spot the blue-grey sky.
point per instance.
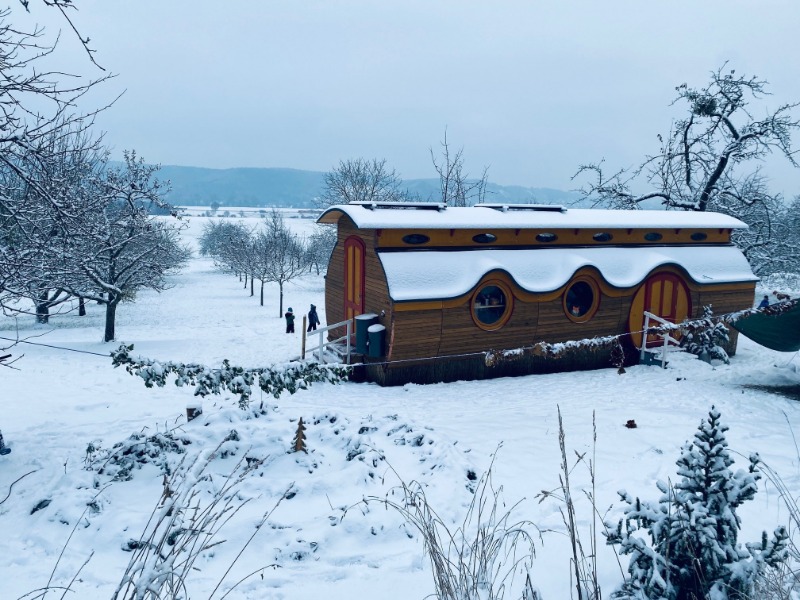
(529, 88)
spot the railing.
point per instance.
(643, 354)
(320, 348)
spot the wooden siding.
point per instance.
(476, 367)
(727, 301)
(452, 331)
(415, 334)
(376, 289)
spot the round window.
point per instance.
(484, 238)
(653, 236)
(699, 236)
(546, 237)
(491, 305)
(416, 238)
(581, 300)
(602, 237)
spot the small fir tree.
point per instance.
(694, 551)
(705, 338)
(299, 443)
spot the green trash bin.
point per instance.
(362, 335)
(377, 341)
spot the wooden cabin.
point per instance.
(450, 283)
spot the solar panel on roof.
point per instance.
(535, 207)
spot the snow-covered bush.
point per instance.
(705, 336)
(276, 379)
(693, 550)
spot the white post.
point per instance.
(320, 347)
(644, 335)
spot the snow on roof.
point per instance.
(493, 217)
(434, 275)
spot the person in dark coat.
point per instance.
(289, 320)
(764, 302)
(313, 319)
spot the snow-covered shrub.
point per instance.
(693, 549)
(120, 461)
(705, 337)
(276, 379)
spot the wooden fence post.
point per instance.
(303, 331)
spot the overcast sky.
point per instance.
(530, 89)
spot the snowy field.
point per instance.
(66, 497)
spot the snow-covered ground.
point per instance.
(62, 412)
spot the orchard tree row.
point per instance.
(267, 253)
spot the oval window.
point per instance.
(491, 305)
(653, 236)
(581, 300)
(416, 238)
(484, 238)
(546, 237)
(699, 236)
(602, 237)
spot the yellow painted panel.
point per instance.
(667, 309)
(443, 238)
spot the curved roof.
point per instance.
(437, 216)
(438, 275)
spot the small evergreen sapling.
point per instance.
(705, 337)
(299, 442)
(693, 529)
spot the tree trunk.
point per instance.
(81, 307)
(252, 293)
(111, 314)
(245, 280)
(262, 292)
(280, 311)
(42, 312)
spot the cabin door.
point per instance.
(663, 294)
(353, 277)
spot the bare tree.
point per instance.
(40, 216)
(283, 254)
(320, 246)
(360, 180)
(64, 6)
(457, 189)
(124, 248)
(709, 161)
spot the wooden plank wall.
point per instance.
(726, 301)
(376, 290)
(531, 322)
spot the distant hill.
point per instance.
(196, 186)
